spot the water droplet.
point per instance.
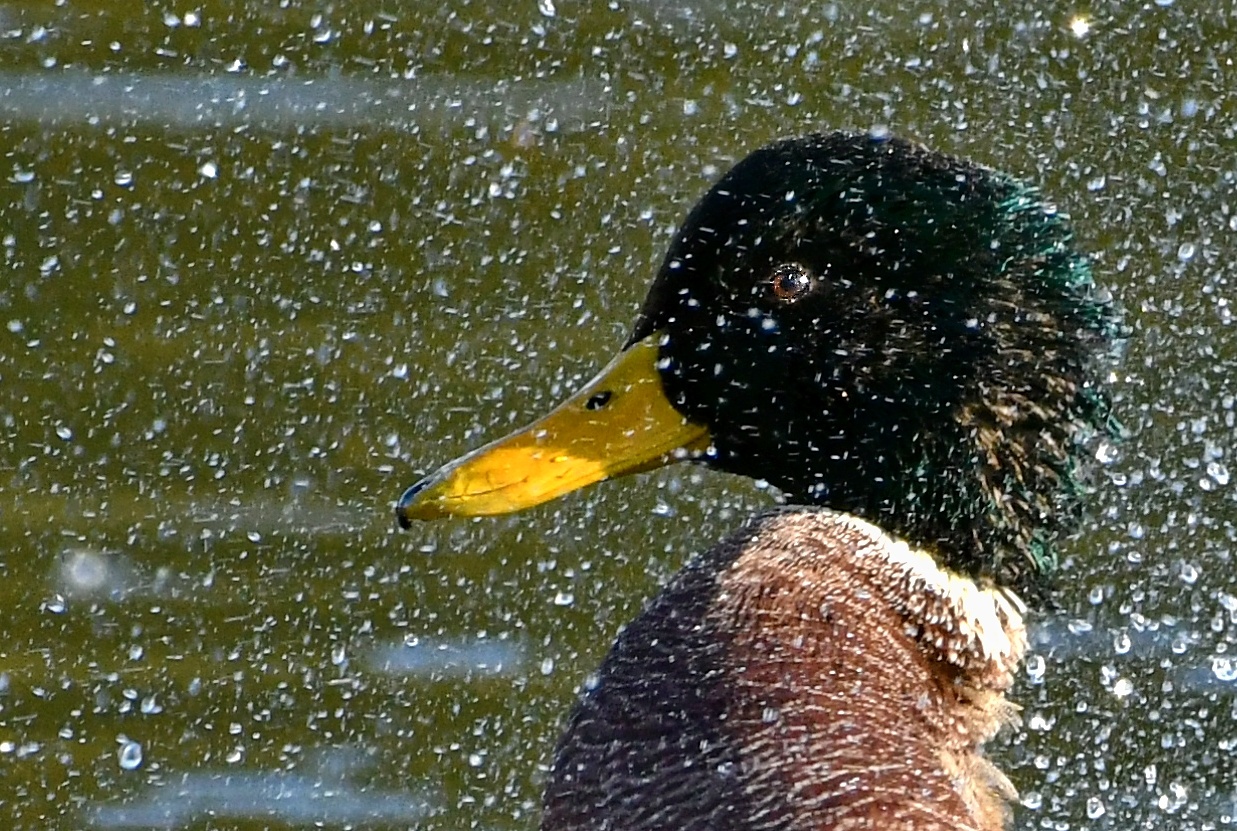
(1037, 667)
(1185, 251)
(1039, 723)
(1095, 808)
(546, 7)
(1121, 643)
(1080, 26)
(1189, 574)
(1218, 472)
(1107, 453)
(1078, 627)
(130, 754)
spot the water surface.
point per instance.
(266, 265)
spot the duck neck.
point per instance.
(868, 625)
(809, 672)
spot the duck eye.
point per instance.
(790, 281)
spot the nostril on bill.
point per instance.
(598, 400)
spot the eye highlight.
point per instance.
(790, 281)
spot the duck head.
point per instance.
(865, 324)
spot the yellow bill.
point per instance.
(619, 423)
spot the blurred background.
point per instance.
(266, 264)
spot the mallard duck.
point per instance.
(907, 345)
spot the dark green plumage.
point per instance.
(937, 376)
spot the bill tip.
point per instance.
(403, 507)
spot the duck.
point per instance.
(911, 348)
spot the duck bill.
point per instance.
(621, 422)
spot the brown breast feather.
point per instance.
(808, 673)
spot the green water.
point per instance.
(265, 265)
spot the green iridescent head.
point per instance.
(894, 333)
(865, 324)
